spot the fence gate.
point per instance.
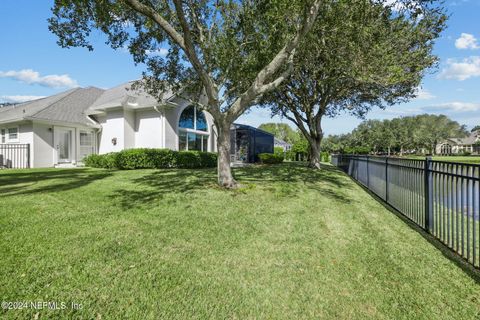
(441, 197)
(14, 156)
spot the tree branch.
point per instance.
(152, 14)
(210, 87)
(258, 86)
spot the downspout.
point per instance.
(99, 130)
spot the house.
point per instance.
(278, 143)
(48, 131)
(470, 144)
(61, 130)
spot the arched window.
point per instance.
(192, 130)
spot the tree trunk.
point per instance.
(315, 153)
(225, 177)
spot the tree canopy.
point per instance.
(412, 134)
(222, 55)
(476, 128)
(281, 131)
(360, 54)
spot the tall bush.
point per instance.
(144, 158)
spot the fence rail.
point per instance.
(441, 197)
(14, 156)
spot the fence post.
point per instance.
(368, 175)
(28, 156)
(386, 179)
(428, 195)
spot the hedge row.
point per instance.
(152, 159)
(270, 158)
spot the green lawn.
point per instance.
(163, 244)
(464, 159)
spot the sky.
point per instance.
(32, 65)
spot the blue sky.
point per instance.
(33, 65)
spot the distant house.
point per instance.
(459, 145)
(61, 130)
(282, 144)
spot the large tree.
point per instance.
(229, 52)
(281, 131)
(361, 54)
(432, 129)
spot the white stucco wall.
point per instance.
(145, 128)
(43, 146)
(129, 125)
(148, 129)
(171, 137)
(113, 126)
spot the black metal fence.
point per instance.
(441, 197)
(14, 156)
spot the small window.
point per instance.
(87, 145)
(13, 134)
(3, 136)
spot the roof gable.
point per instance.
(68, 106)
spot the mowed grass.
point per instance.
(169, 244)
(463, 159)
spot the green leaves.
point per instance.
(412, 133)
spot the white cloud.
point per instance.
(423, 94)
(466, 41)
(33, 77)
(454, 107)
(18, 99)
(461, 70)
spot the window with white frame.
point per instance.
(13, 134)
(3, 136)
(192, 130)
(87, 145)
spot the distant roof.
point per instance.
(471, 139)
(124, 95)
(68, 106)
(280, 142)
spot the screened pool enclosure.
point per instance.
(247, 142)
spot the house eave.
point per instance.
(12, 120)
(63, 123)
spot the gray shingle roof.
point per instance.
(471, 139)
(280, 142)
(124, 95)
(68, 106)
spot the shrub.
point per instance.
(107, 161)
(93, 161)
(270, 158)
(466, 153)
(188, 159)
(144, 158)
(134, 159)
(208, 159)
(278, 150)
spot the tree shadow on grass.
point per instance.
(469, 269)
(158, 184)
(33, 182)
(292, 172)
(282, 180)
